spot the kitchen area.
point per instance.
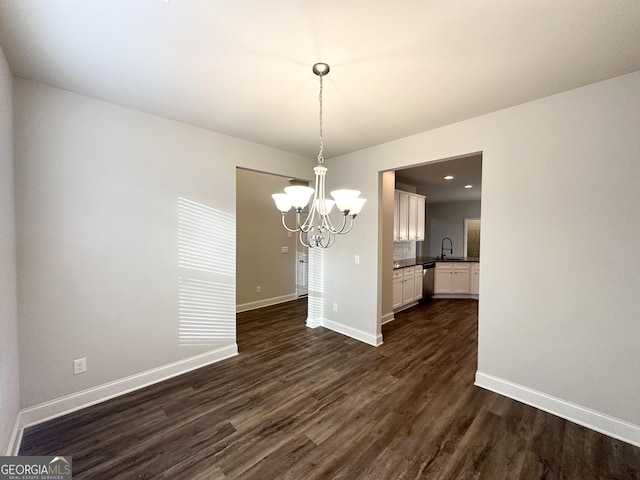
(436, 232)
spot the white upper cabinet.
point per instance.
(413, 217)
(420, 217)
(409, 217)
(401, 220)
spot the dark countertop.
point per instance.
(410, 262)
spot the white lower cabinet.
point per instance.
(454, 278)
(407, 286)
(443, 277)
(461, 281)
(475, 279)
(397, 289)
(417, 285)
(450, 278)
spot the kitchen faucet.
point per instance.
(450, 249)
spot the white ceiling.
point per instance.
(243, 68)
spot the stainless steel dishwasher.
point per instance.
(428, 271)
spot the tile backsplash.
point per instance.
(402, 250)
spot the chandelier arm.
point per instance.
(302, 241)
(344, 223)
(326, 220)
(302, 226)
(328, 224)
(314, 241)
(334, 230)
(321, 205)
(284, 224)
(308, 223)
(331, 239)
(342, 231)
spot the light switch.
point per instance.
(285, 249)
(357, 259)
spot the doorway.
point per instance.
(269, 269)
(452, 189)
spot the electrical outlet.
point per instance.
(285, 250)
(79, 366)
(335, 307)
(258, 290)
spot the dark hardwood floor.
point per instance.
(312, 404)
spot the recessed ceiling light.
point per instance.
(468, 186)
(449, 177)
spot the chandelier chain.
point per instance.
(320, 157)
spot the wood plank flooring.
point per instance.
(312, 404)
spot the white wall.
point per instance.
(560, 229)
(9, 379)
(447, 220)
(97, 189)
(354, 287)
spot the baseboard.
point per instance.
(387, 318)
(406, 306)
(454, 296)
(16, 438)
(375, 340)
(611, 426)
(314, 322)
(77, 401)
(267, 302)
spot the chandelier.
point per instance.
(317, 230)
